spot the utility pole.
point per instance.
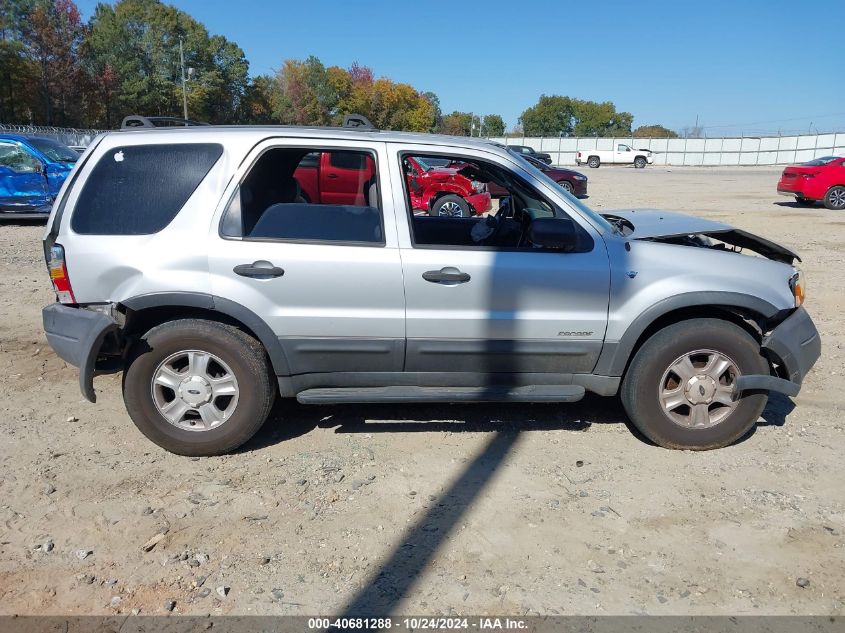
(184, 88)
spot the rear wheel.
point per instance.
(679, 389)
(640, 162)
(451, 206)
(804, 202)
(835, 198)
(593, 161)
(198, 387)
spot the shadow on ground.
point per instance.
(289, 419)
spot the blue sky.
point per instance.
(742, 66)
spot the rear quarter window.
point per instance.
(138, 190)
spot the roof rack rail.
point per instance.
(358, 121)
(135, 121)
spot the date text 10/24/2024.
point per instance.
(416, 624)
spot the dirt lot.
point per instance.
(430, 509)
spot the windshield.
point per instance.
(54, 150)
(824, 160)
(583, 208)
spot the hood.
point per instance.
(655, 224)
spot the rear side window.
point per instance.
(138, 190)
(300, 195)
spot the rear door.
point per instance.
(327, 277)
(23, 185)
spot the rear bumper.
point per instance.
(480, 202)
(76, 336)
(795, 344)
(785, 191)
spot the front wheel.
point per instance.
(640, 162)
(566, 185)
(450, 206)
(679, 389)
(198, 387)
(834, 199)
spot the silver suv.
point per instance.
(221, 267)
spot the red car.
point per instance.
(443, 191)
(574, 182)
(822, 179)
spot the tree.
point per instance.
(557, 115)
(492, 125)
(17, 72)
(52, 35)
(654, 131)
(138, 41)
(457, 124)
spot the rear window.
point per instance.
(138, 190)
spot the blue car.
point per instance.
(32, 170)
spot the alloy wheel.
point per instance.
(194, 390)
(697, 390)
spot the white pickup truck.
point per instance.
(621, 154)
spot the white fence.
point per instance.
(748, 150)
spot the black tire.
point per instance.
(834, 199)
(245, 357)
(594, 162)
(457, 204)
(641, 384)
(804, 202)
(566, 185)
(640, 162)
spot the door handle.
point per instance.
(446, 276)
(331, 175)
(260, 269)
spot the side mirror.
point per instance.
(557, 233)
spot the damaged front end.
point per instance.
(676, 228)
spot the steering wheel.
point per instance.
(500, 223)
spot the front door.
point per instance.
(326, 278)
(22, 182)
(499, 305)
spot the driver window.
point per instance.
(465, 202)
(623, 148)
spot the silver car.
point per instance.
(222, 267)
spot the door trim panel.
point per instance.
(501, 355)
(307, 355)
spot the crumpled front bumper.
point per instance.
(76, 336)
(795, 345)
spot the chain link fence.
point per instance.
(698, 152)
(66, 135)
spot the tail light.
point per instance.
(59, 276)
(811, 174)
(579, 154)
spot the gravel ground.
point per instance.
(430, 509)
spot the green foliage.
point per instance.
(492, 125)
(564, 116)
(456, 124)
(654, 131)
(138, 41)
